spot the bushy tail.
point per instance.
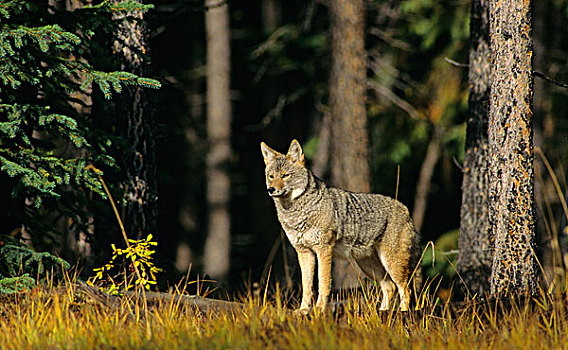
(415, 263)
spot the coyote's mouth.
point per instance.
(275, 194)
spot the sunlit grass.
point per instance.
(57, 318)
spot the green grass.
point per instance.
(60, 318)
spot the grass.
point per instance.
(60, 318)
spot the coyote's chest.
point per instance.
(307, 227)
(307, 238)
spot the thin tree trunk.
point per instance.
(216, 259)
(140, 213)
(424, 181)
(476, 240)
(350, 163)
(271, 15)
(320, 163)
(511, 187)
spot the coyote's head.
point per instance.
(286, 175)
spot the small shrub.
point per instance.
(137, 268)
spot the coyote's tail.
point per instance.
(416, 266)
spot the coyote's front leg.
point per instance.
(324, 254)
(307, 261)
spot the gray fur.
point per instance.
(374, 231)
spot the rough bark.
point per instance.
(476, 241)
(218, 244)
(133, 105)
(349, 155)
(511, 186)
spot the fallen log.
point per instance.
(336, 309)
(84, 291)
(196, 302)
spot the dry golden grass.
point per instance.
(60, 318)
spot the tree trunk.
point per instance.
(511, 185)
(425, 179)
(140, 213)
(476, 240)
(350, 164)
(320, 162)
(271, 15)
(217, 246)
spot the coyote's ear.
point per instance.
(268, 153)
(295, 152)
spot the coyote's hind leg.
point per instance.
(397, 266)
(373, 268)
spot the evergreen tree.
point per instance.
(47, 57)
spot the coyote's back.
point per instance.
(374, 231)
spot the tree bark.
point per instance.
(140, 213)
(218, 244)
(476, 240)
(349, 162)
(511, 186)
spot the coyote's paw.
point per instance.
(321, 306)
(303, 311)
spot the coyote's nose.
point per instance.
(271, 190)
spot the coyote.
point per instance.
(374, 231)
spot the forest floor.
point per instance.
(68, 317)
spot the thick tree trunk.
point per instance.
(139, 166)
(218, 244)
(349, 155)
(511, 186)
(350, 163)
(476, 241)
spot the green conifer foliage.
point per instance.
(38, 71)
(20, 265)
(48, 57)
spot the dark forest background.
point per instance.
(279, 90)
(416, 102)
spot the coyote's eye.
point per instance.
(285, 176)
(270, 176)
